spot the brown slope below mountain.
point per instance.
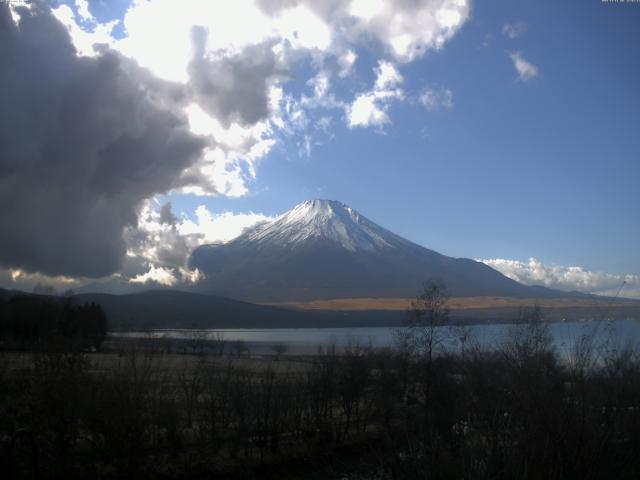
(458, 303)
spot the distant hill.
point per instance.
(157, 309)
(177, 309)
(323, 249)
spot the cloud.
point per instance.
(83, 9)
(305, 121)
(387, 76)
(93, 126)
(366, 111)
(435, 99)
(234, 89)
(370, 108)
(232, 56)
(155, 240)
(17, 279)
(159, 275)
(346, 61)
(220, 227)
(166, 215)
(88, 40)
(526, 70)
(321, 84)
(513, 30)
(165, 46)
(84, 141)
(227, 166)
(534, 272)
(158, 248)
(409, 28)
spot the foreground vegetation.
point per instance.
(416, 411)
(516, 412)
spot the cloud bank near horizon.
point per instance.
(535, 272)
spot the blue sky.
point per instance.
(503, 131)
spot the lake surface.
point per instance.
(564, 335)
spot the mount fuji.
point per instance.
(324, 249)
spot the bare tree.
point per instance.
(197, 341)
(427, 313)
(218, 343)
(279, 349)
(530, 338)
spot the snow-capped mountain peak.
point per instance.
(326, 220)
(323, 249)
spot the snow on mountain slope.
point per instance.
(326, 220)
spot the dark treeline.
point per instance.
(33, 321)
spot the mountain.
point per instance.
(324, 249)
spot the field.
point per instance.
(484, 309)
(457, 303)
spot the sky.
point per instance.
(135, 131)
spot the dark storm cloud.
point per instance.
(233, 88)
(82, 142)
(166, 214)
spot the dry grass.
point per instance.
(456, 303)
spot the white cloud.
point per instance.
(526, 70)
(435, 99)
(303, 28)
(158, 248)
(387, 76)
(410, 28)
(322, 96)
(15, 5)
(232, 56)
(366, 9)
(370, 108)
(346, 62)
(160, 275)
(305, 122)
(220, 170)
(84, 40)
(513, 30)
(83, 9)
(320, 84)
(219, 227)
(162, 238)
(236, 25)
(365, 111)
(534, 272)
(25, 281)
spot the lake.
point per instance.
(616, 333)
